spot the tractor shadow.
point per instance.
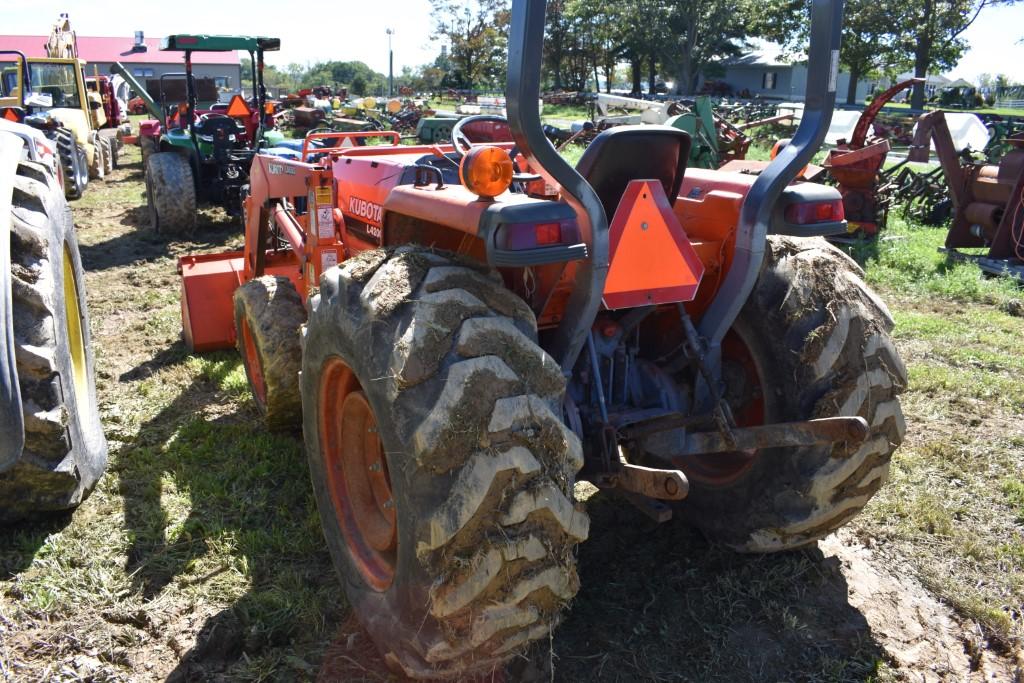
(21, 540)
(213, 233)
(659, 603)
(207, 493)
(213, 503)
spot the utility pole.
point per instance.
(391, 64)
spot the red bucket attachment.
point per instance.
(208, 284)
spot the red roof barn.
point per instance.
(141, 55)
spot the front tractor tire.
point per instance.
(811, 342)
(65, 451)
(442, 470)
(170, 194)
(268, 316)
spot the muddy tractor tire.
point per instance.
(98, 167)
(65, 451)
(73, 163)
(442, 470)
(107, 145)
(811, 342)
(170, 194)
(147, 147)
(268, 317)
(109, 136)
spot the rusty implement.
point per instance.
(650, 482)
(852, 430)
(987, 199)
(856, 167)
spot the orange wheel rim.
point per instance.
(718, 469)
(357, 474)
(252, 361)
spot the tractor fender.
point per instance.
(12, 420)
(150, 128)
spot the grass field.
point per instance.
(200, 557)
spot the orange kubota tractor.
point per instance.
(466, 330)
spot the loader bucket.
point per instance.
(208, 284)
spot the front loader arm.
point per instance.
(151, 105)
(12, 421)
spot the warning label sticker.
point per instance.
(324, 222)
(328, 259)
(323, 196)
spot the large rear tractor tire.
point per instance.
(268, 317)
(441, 466)
(170, 194)
(812, 341)
(65, 452)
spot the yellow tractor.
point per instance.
(76, 113)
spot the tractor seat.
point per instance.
(626, 153)
(213, 124)
(54, 92)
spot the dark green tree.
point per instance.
(475, 32)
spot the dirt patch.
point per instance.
(921, 637)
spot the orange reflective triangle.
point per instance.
(238, 107)
(651, 260)
(11, 115)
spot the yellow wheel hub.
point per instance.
(76, 340)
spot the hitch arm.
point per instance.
(829, 430)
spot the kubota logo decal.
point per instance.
(365, 210)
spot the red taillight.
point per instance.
(548, 233)
(532, 235)
(815, 212)
(12, 114)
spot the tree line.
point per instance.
(678, 40)
(659, 41)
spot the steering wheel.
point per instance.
(463, 144)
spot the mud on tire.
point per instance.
(65, 452)
(481, 466)
(147, 147)
(170, 194)
(820, 339)
(109, 136)
(268, 316)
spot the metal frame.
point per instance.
(526, 40)
(525, 53)
(756, 213)
(25, 86)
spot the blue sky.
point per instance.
(314, 30)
